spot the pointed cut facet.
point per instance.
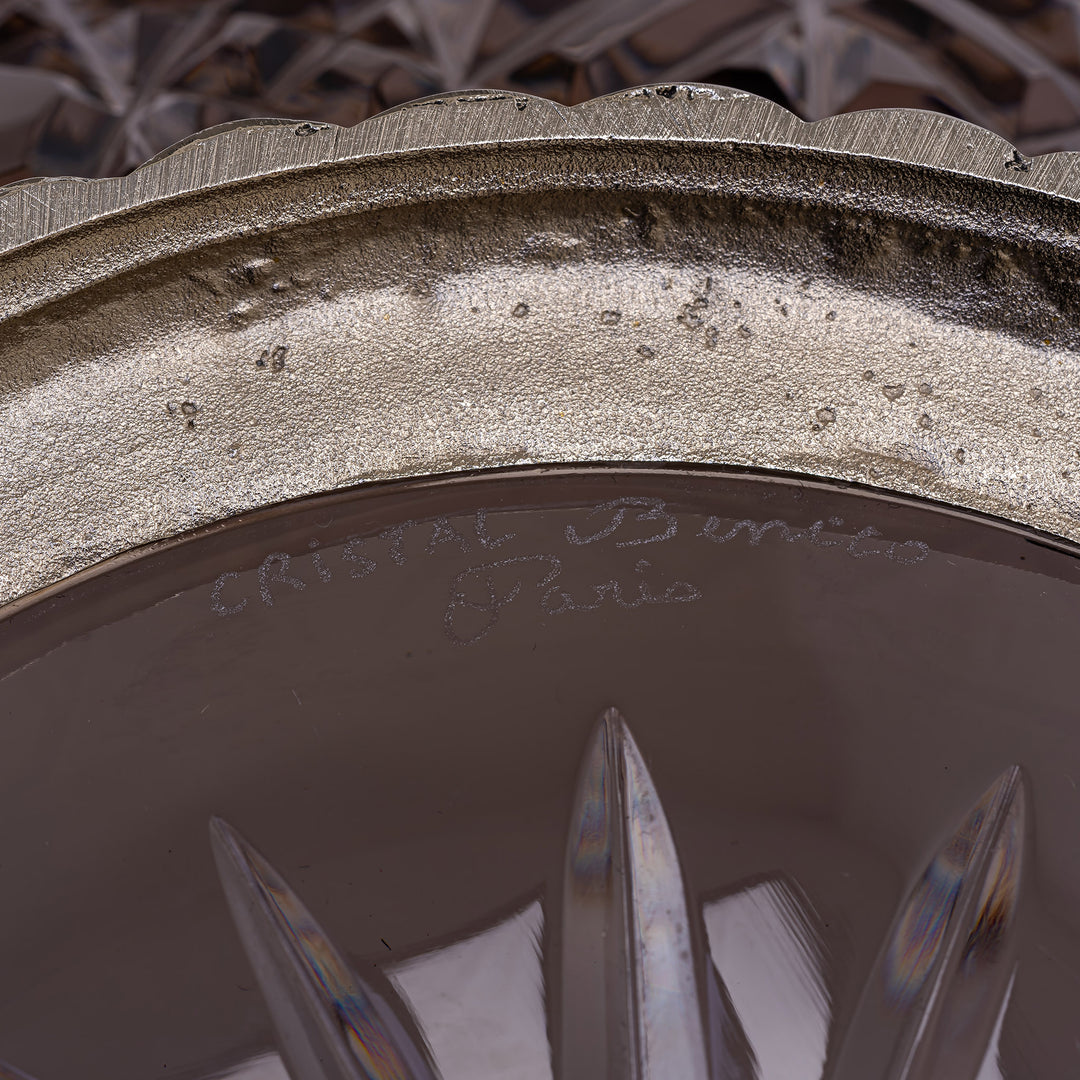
(9, 1072)
(454, 31)
(479, 1001)
(330, 1024)
(731, 1056)
(631, 1005)
(935, 999)
(766, 943)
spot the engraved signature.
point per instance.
(857, 546)
(478, 594)
(647, 510)
(475, 589)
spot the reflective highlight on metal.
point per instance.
(681, 273)
(331, 1026)
(825, 680)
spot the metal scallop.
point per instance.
(882, 298)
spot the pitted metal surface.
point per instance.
(680, 274)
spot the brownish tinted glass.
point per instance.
(553, 773)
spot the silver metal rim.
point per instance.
(113, 445)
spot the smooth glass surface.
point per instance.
(552, 773)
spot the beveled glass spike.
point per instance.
(330, 1024)
(935, 998)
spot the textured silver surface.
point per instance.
(682, 273)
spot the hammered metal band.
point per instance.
(679, 273)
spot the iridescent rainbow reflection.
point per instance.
(935, 1001)
(331, 1025)
(629, 995)
(645, 985)
(983, 855)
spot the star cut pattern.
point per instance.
(95, 87)
(637, 995)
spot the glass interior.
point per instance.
(825, 743)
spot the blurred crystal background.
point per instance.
(95, 87)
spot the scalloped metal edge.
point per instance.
(687, 113)
(678, 114)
